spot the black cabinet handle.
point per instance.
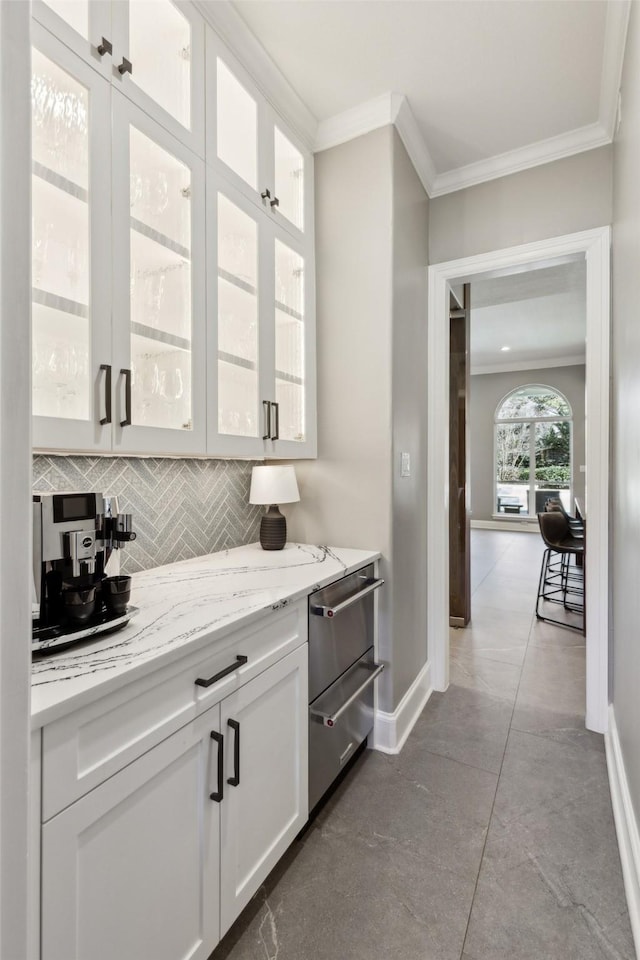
(239, 661)
(218, 794)
(107, 393)
(105, 47)
(265, 195)
(127, 398)
(276, 432)
(275, 202)
(125, 67)
(267, 420)
(234, 781)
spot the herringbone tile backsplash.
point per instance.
(181, 508)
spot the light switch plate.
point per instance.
(405, 464)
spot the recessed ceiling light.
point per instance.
(505, 348)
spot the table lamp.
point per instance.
(273, 485)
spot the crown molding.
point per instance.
(366, 117)
(232, 29)
(575, 361)
(615, 39)
(524, 158)
(389, 108)
(415, 145)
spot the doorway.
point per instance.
(594, 247)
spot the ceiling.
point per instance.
(487, 86)
(539, 314)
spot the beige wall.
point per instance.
(345, 495)
(409, 391)
(371, 260)
(626, 415)
(547, 201)
(487, 390)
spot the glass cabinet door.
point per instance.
(289, 343)
(235, 121)
(70, 235)
(289, 179)
(83, 25)
(236, 281)
(237, 310)
(159, 64)
(158, 281)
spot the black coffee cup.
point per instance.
(116, 592)
(79, 602)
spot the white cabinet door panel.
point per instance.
(131, 869)
(163, 42)
(82, 25)
(159, 281)
(263, 813)
(71, 266)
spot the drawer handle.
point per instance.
(234, 781)
(330, 719)
(218, 794)
(238, 662)
(339, 607)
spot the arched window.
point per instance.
(532, 450)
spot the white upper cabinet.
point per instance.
(160, 64)
(82, 25)
(158, 294)
(259, 270)
(173, 264)
(251, 145)
(71, 250)
(151, 50)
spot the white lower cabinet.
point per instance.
(158, 860)
(267, 809)
(131, 870)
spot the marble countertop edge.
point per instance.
(72, 679)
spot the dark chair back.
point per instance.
(554, 528)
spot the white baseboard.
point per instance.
(390, 730)
(626, 825)
(514, 526)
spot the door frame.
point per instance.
(595, 246)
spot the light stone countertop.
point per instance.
(184, 607)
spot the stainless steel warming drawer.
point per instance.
(341, 675)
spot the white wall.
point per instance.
(487, 389)
(15, 472)
(547, 201)
(626, 416)
(371, 258)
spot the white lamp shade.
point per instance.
(273, 485)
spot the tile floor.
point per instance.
(490, 837)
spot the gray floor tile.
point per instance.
(419, 801)
(493, 639)
(553, 810)
(466, 725)
(469, 668)
(523, 911)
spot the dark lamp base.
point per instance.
(273, 530)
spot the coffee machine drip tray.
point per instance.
(51, 639)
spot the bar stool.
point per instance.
(559, 583)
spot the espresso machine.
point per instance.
(74, 597)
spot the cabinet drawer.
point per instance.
(84, 749)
